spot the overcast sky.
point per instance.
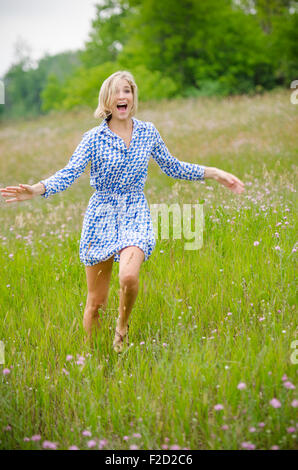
(45, 25)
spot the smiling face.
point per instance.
(122, 101)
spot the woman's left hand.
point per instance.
(229, 180)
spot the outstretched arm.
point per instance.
(60, 181)
(190, 171)
(170, 165)
(63, 178)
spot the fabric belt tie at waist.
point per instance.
(118, 193)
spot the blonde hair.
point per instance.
(108, 90)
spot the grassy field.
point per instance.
(204, 321)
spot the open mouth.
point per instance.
(122, 107)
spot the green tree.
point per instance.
(266, 11)
(209, 46)
(53, 94)
(108, 34)
(24, 84)
(284, 47)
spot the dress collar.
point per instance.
(103, 127)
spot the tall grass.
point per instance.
(204, 321)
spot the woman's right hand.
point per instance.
(19, 193)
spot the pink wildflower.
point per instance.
(91, 443)
(248, 446)
(241, 386)
(218, 407)
(289, 385)
(102, 443)
(49, 445)
(291, 429)
(275, 403)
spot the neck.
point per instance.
(120, 124)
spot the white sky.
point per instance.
(50, 26)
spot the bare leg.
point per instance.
(131, 259)
(98, 283)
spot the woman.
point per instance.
(117, 225)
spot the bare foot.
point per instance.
(89, 342)
(121, 336)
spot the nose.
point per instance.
(121, 94)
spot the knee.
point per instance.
(95, 302)
(128, 281)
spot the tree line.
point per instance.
(174, 48)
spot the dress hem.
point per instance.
(115, 252)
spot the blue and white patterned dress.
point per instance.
(118, 214)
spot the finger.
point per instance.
(11, 187)
(239, 190)
(234, 177)
(12, 193)
(238, 180)
(10, 190)
(8, 194)
(11, 200)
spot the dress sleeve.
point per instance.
(63, 178)
(170, 165)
